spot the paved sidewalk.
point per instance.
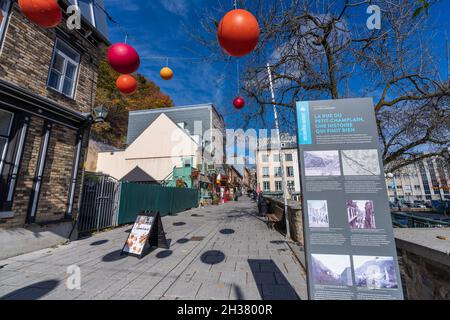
(238, 258)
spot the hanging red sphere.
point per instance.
(45, 13)
(123, 58)
(126, 84)
(239, 103)
(238, 33)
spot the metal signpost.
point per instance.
(349, 240)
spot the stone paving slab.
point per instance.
(239, 258)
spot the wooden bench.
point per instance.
(273, 218)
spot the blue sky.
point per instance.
(157, 28)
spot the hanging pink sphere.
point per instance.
(239, 103)
(123, 58)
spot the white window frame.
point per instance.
(7, 137)
(265, 171)
(278, 172)
(4, 24)
(290, 171)
(278, 183)
(92, 12)
(63, 74)
(266, 183)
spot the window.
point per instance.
(277, 171)
(4, 10)
(94, 12)
(265, 171)
(266, 186)
(290, 171)
(288, 156)
(276, 157)
(182, 125)
(278, 186)
(6, 119)
(64, 69)
(291, 186)
(265, 158)
(13, 128)
(187, 163)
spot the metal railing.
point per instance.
(99, 204)
(404, 220)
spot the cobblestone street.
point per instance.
(217, 252)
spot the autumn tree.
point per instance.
(322, 49)
(147, 96)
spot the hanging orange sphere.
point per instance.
(166, 73)
(238, 33)
(45, 13)
(126, 84)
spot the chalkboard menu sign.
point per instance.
(349, 240)
(147, 232)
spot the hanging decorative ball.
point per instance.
(238, 33)
(126, 84)
(45, 13)
(166, 73)
(123, 58)
(239, 103)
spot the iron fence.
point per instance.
(99, 203)
(403, 220)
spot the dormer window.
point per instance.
(64, 69)
(94, 12)
(182, 125)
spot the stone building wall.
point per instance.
(25, 59)
(26, 56)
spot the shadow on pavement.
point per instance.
(33, 291)
(178, 224)
(212, 257)
(113, 256)
(99, 242)
(271, 282)
(238, 292)
(227, 231)
(182, 240)
(164, 254)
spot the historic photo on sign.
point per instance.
(360, 162)
(361, 214)
(331, 269)
(375, 272)
(322, 163)
(318, 214)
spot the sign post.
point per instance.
(147, 232)
(349, 240)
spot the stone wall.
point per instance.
(27, 53)
(424, 263)
(295, 217)
(25, 59)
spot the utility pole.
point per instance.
(277, 129)
(446, 53)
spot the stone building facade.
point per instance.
(48, 80)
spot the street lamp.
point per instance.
(100, 113)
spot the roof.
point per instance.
(140, 120)
(138, 175)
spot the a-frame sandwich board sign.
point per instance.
(147, 232)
